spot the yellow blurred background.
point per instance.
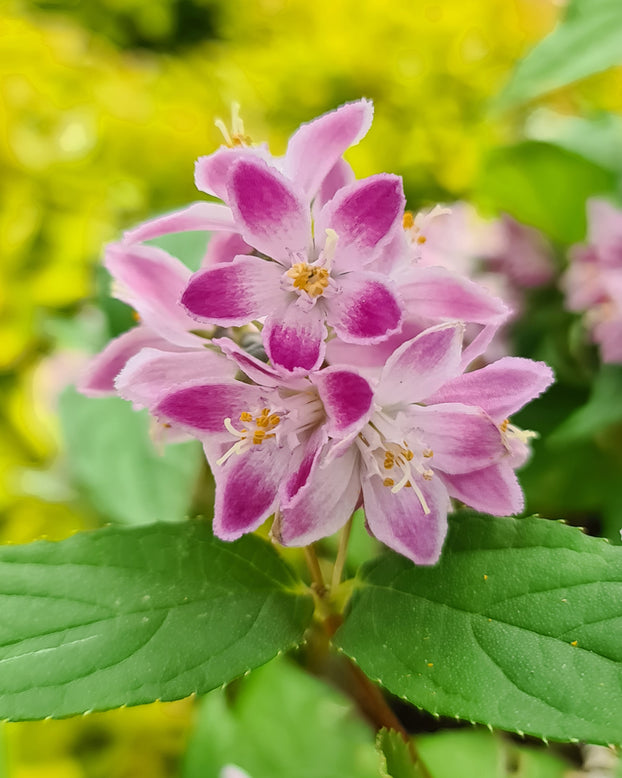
(104, 106)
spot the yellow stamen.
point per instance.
(427, 453)
(237, 137)
(309, 278)
(421, 239)
(408, 220)
(388, 482)
(265, 422)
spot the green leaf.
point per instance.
(467, 753)
(519, 626)
(115, 462)
(597, 138)
(476, 753)
(544, 186)
(128, 616)
(589, 40)
(281, 723)
(189, 247)
(603, 408)
(395, 755)
(539, 764)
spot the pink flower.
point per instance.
(261, 438)
(433, 433)
(457, 266)
(313, 160)
(308, 447)
(593, 282)
(300, 280)
(434, 287)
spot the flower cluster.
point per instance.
(320, 362)
(593, 282)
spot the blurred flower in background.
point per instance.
(593, 282)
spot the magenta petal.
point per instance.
(340, 175)
(234, 293)
(461, 437)
(268, 210)
(370, 356)
(210, 172)
(294, 341)
(421, 365)
(500, 389)
(203, 408)
(151, 281)
(323, 504)
(365, 310)
(152, 373)
(347, 398)
(99, 376)
(315, 147)
(312, 450)
(437, 293)
(259, 372)
(199, 217)
(224, 247)
(493, 490)
(247, 488)
(365, 216)
(400, 522)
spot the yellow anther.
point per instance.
(274, 420)
(427, 453)
(421, 239)
(504, 425)
(408, 220)
(428, 474)
(246, 416)
(388, 482)
(408, 455)
(309, 278)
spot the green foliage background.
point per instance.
(104, 105)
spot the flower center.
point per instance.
(309, 278)
(399, 463)
(257, 429)
(396, 463)
(410, 225)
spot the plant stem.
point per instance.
(341, 554)
(372, 703)
(316, 572)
